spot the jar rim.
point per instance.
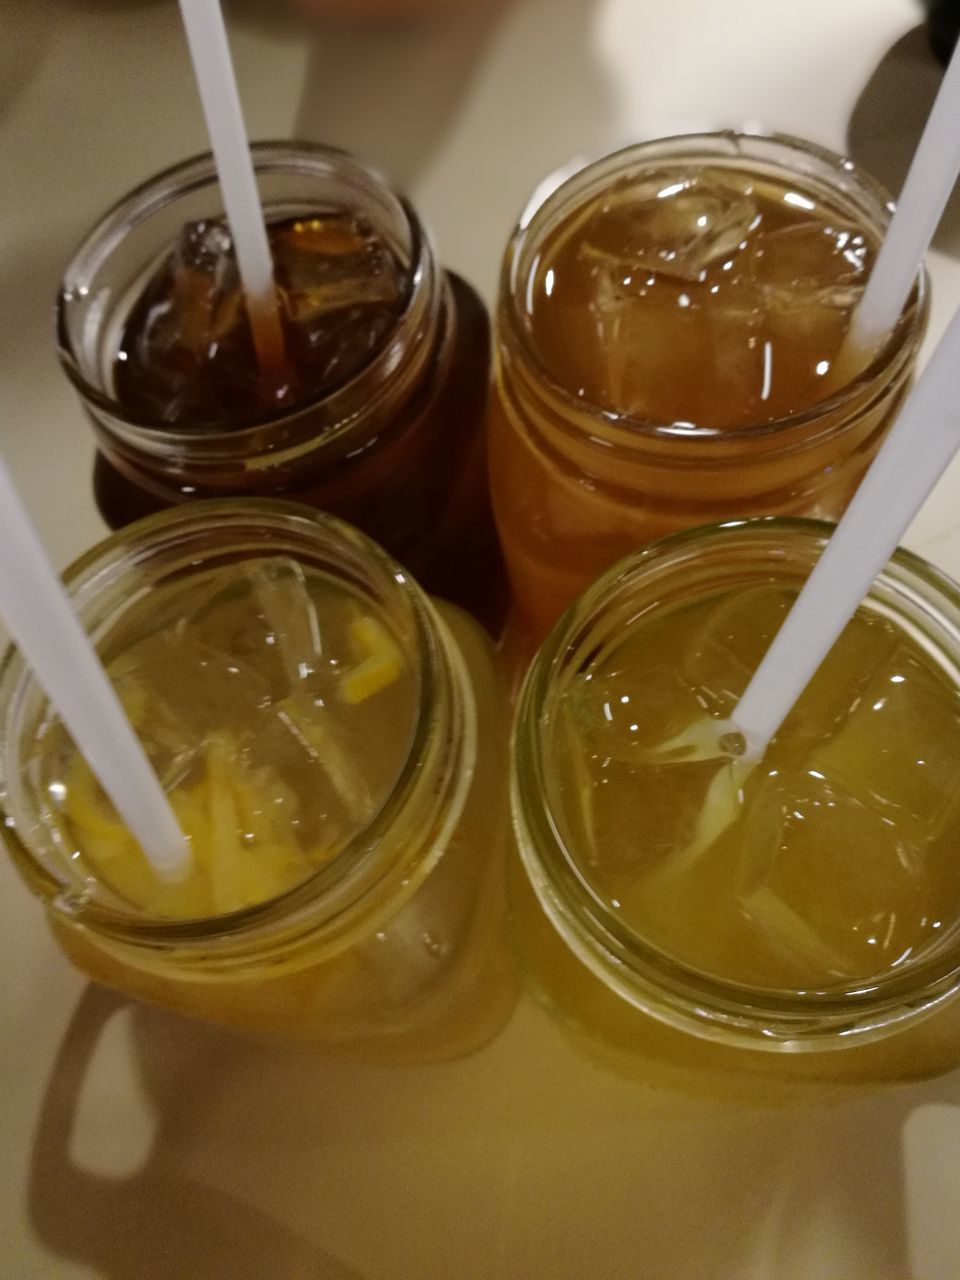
(716, 145)
(638, 970)
(359, 869)
(165, 188)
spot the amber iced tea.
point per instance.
(716, 299)
(668, 328)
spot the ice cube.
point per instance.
(641, 348)
(677, 891)
(866, 642)
(642, 725)
(284, 602)
(833, 889)
(796, 941)
(260, 622)
(330, 751)
(196, 695)
(333, 263)
(180, 690)
(663, 257)
(898, 749)
(656, 805)
(810, 264)
(634, 726)
(263, 615)
(721, 655)
(674, 226)
(721, 808)
(207, 302)
(614, 336)
(188, 332)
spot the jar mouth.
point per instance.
(724, 147)
(909, 591)
(243, 530)
(198, 173)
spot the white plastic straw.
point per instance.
(38, 614)
(915, 454)
(207, 38)
(932, 177)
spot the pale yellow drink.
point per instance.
(252, 690)
(808, 903)
(833, 859)
(334, 750)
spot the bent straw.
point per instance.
(915, 454)
(37, 612)
(210, 53)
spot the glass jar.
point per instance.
(576, 486)
(394, 947)
(397, 449)
(616, 991)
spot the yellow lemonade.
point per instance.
(276, 711)
(334, 756)
(831, 860)
(806, 901)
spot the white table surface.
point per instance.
(170, 1150)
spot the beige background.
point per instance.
(133, 1146)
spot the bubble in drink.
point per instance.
(276, 711)
(706, 297)
(186, 355)
(829, 862)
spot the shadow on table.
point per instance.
(534, 1166)
(465, 111)
(889, 117)
(391, 91)
(395, 92)
(26, 38)
(158, 1223)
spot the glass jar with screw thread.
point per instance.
(634, 399)
(389, 942)
(704, 938)
(394, 444)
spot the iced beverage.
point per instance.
(376, 412)
(808, 901)
(668, 333)
(186, 354)
(333, 750)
